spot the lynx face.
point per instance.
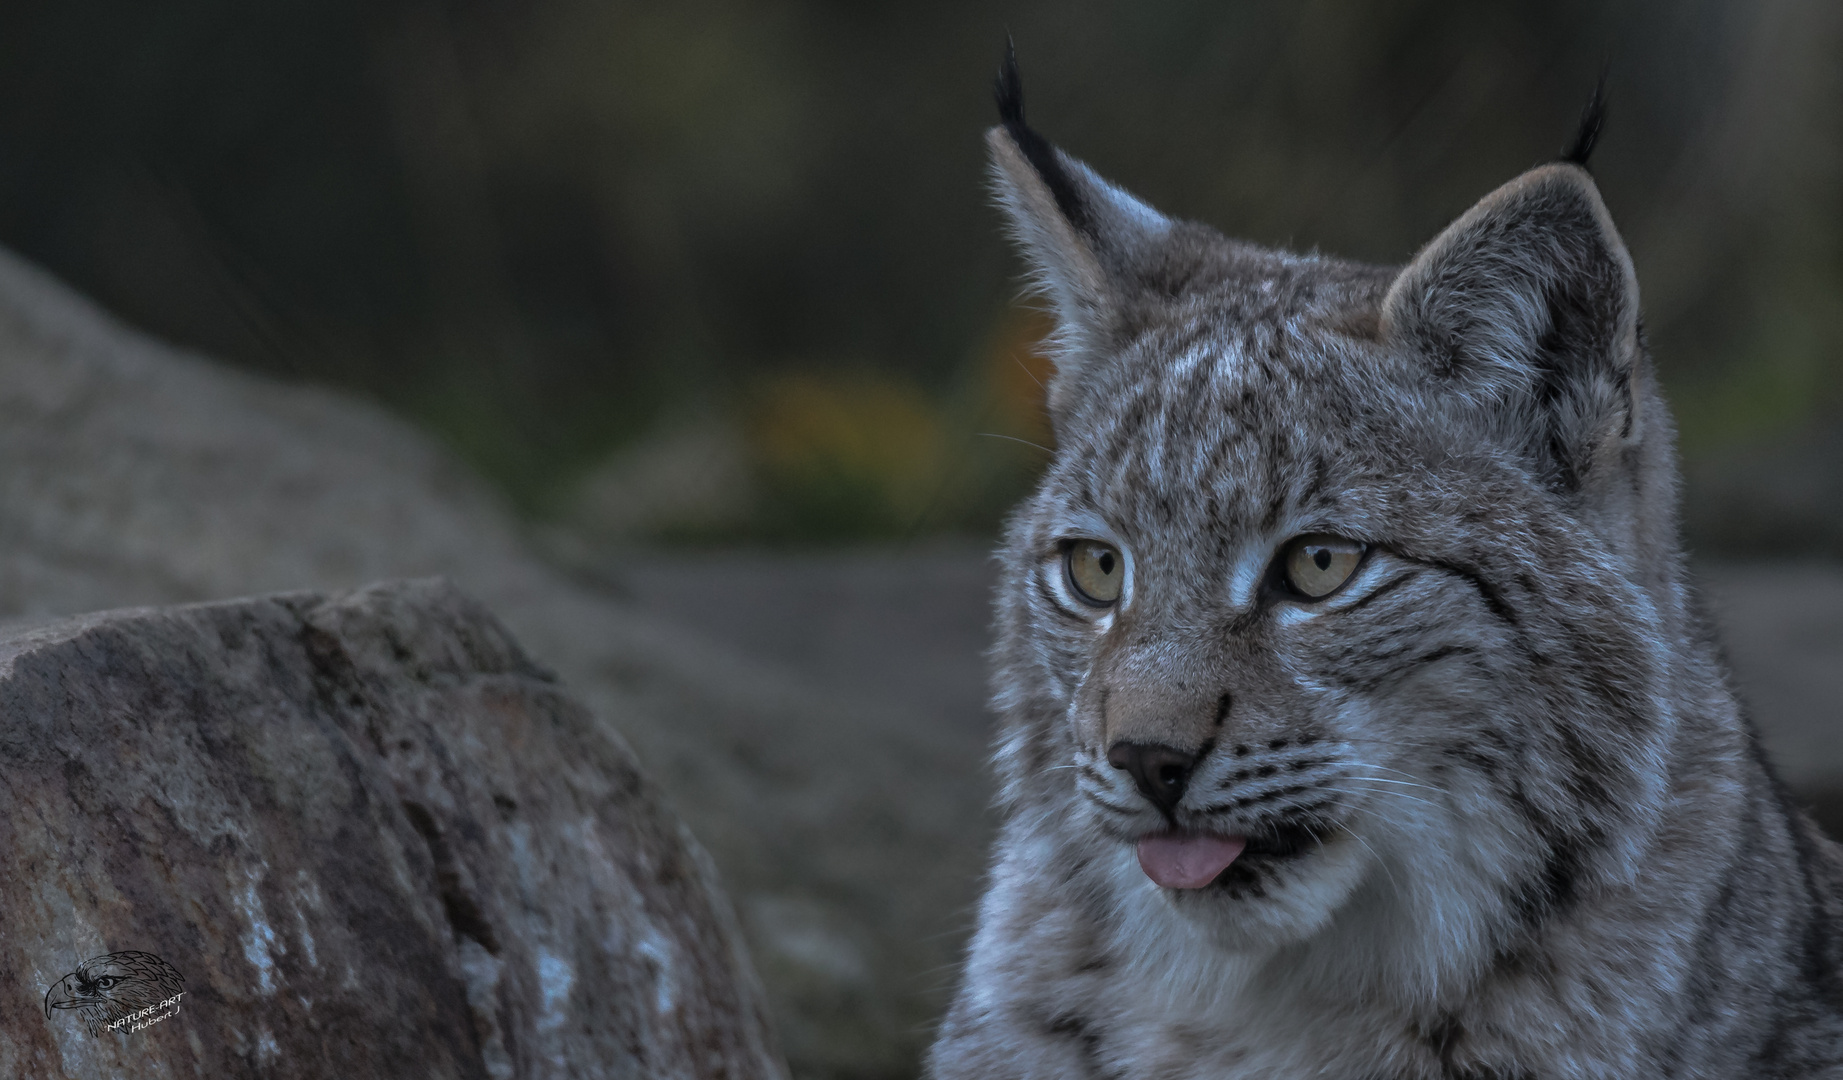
(1335, 594)
(1356, 717)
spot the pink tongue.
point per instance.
(1180, 861)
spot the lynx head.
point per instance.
(1339, 600)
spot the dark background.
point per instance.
(591, 244)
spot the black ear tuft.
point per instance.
(1593, 118)
(1009, 90)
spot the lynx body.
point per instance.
(1357, 719)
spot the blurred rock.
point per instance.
(849, 833)
(366, 836)
(690, 478)
(908, 622)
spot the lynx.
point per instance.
(1357, 717)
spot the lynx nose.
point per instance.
(1160, 771)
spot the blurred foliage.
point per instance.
(847, 454)
(853, 456)
(546, 229)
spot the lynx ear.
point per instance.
(1528, 302)
(1082, 236)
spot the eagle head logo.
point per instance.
(106, 988)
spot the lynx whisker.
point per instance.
(1015, 439)
(1380, 791)
(1381, 768)
(1380, 861)
(1403, 783)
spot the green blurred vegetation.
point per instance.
(576, 237)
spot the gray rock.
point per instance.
(364, 837)
(690, 477)
(849, 832)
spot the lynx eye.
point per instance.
(1316, 565)
(1096, 570)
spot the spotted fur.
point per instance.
(1516, 825)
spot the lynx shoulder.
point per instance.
(1357, 718)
